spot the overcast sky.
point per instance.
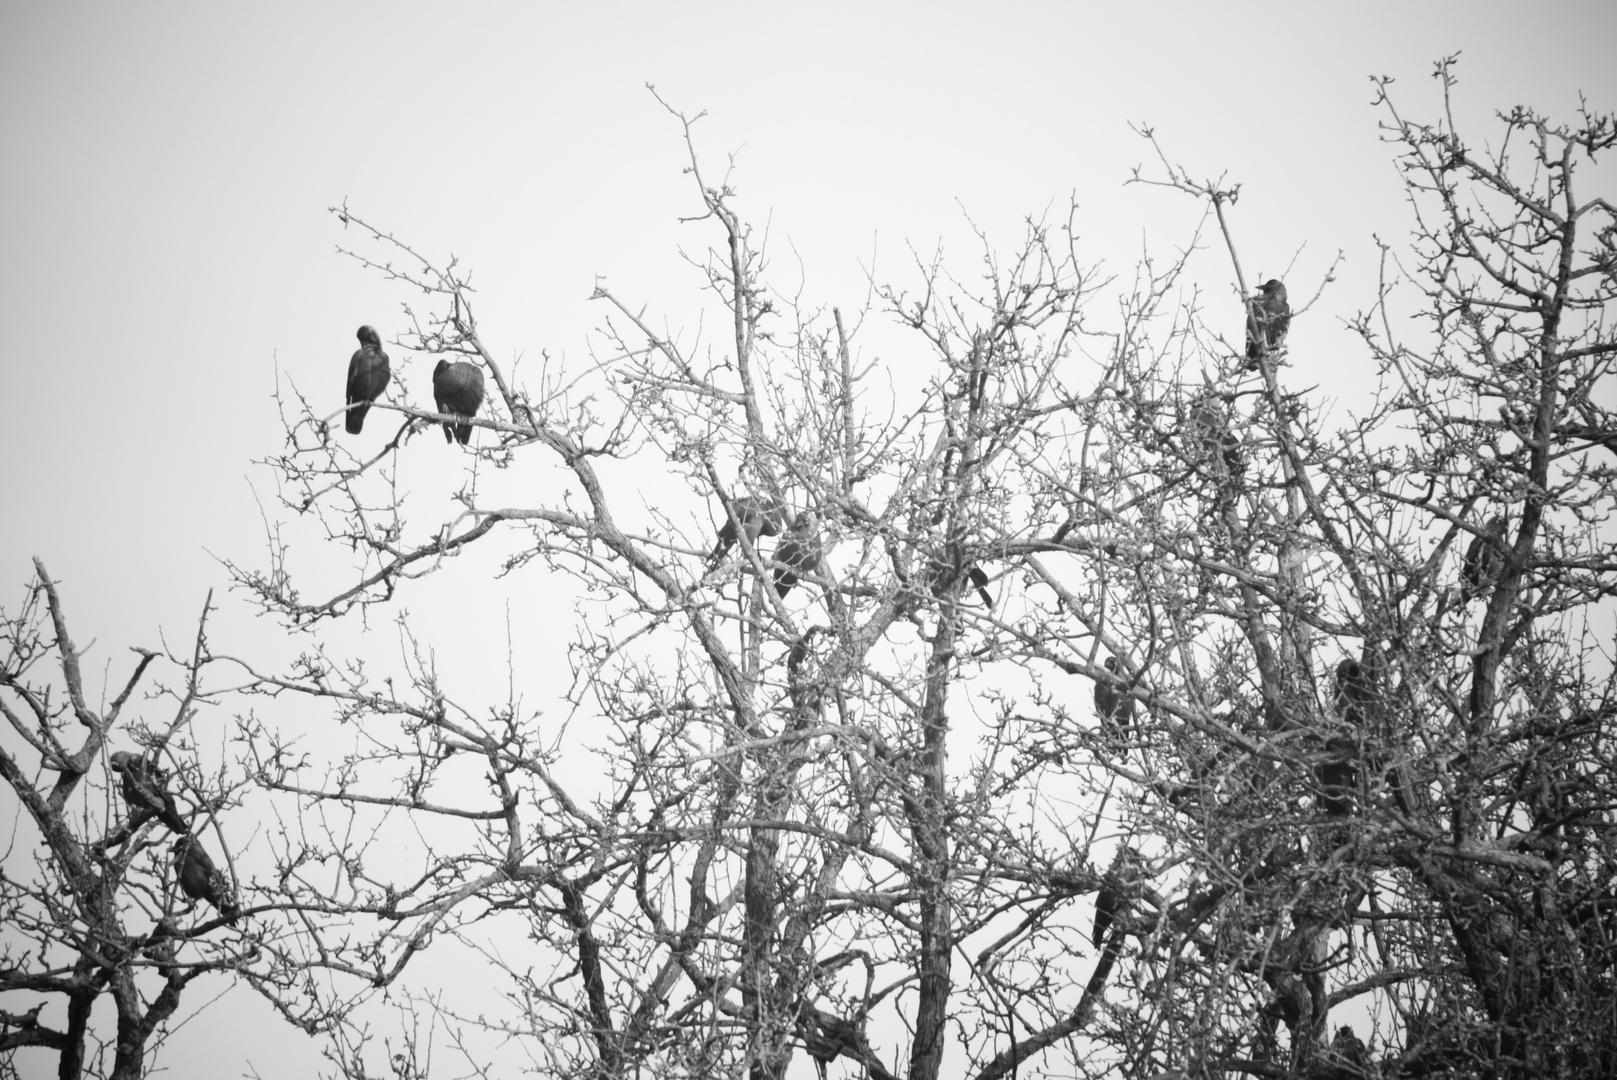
(165, 246)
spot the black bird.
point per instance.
(1338, 776)
(760, 515)
(368, 374)
(1352, 692)
(1116, 888)
(980, 580)
(146, 793)
(799, 551)
(1214, 439)
(1482, 557)
(458, 389)
(1268, 319)
(1113, 705)
(200, 879)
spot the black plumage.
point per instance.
(799, 552)
(979, 580)
(759, 515)
(200, 880)
(1268, 319)
(1352, 692)
(146, 793)
(1483, 557)
(1338, 771)
(457, 389)
(1214, 441)
(1117, 887)
(368, 373)
(1113, 705)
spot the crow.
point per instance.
(458, 389)
(1268, 319)
(1113, 705)
(759, 515)
(145, 792)
(200, 879)
(799, 551)
(368, 374)
(1482, 557)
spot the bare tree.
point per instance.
(100, 913)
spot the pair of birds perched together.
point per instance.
(146, 794)
(763, 515)
(457, 388)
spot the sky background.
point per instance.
(165, 246)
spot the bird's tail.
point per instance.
(463, 433)
(356, 418)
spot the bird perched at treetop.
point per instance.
(457, 389)
(1268, 319)
(1483, 557)
(368, 374)
(1113, 705)
(759, 515)
(799, 552)
(146, 793)
(200, 879)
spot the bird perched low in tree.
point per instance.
(979, 579)
(368, 374)
(457, 389)
(799, 552)
(1268, 319)
(200, 879)
(759, 515)
(1483, 557)
(1352, 692)
(146, 792)
(1214, 440)
(1113, 705)
(1117, 887)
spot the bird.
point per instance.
(1112, 899)
(1113, 705)
(368, 374)
(145, 792)
(458, 389)
(200, 879)
(1352, 692)
(1338, 776)
(799, 551)
(979, 579)
(1213, 437)
(1268, 319)
(759, 515)
(1482, 557)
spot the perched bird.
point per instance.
(1214, 441)
(458, 389)
(368, 374)
(1268, 319)
(146, 793)
(1351, 1049)
(200, 879)
(1352, 692)
(1116, 889)
(1338, 776)
(799, 551)
(1113, 705)
(979, 579)
(1483, 557)
(760, 515)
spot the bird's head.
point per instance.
(1273, 289)
(1347, 671)
(121, 760)
(1110, 663)
(443, 366)
(367, 336)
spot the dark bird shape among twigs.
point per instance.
(368, 374)
(759, 515)
(1483, 558)
(1352, 692)
(1214, 441)
(146, 792)
(200, 879)
(1117, 887)
(799, 552)
(457, 389)
(1268, 319)
(979, 580)
(1113, 705)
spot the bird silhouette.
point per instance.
(760, 515)
(458, 389)
(1214, 440)
(368, 374)
(200, 879)
(979, 580)
(1117, 886)
(1482, 557)
(1268, 319)
(1113, 705)
(145, 792)
(799, 552)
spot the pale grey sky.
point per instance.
(164, 243)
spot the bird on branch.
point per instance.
(979, 580)
(457, 389)
(200, 879)
(1113, 705)
(1117, 888)
(1483, 558)
(368, 374)
(1268, 319)
(799, 552)
(145, 792)
(759, 515)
